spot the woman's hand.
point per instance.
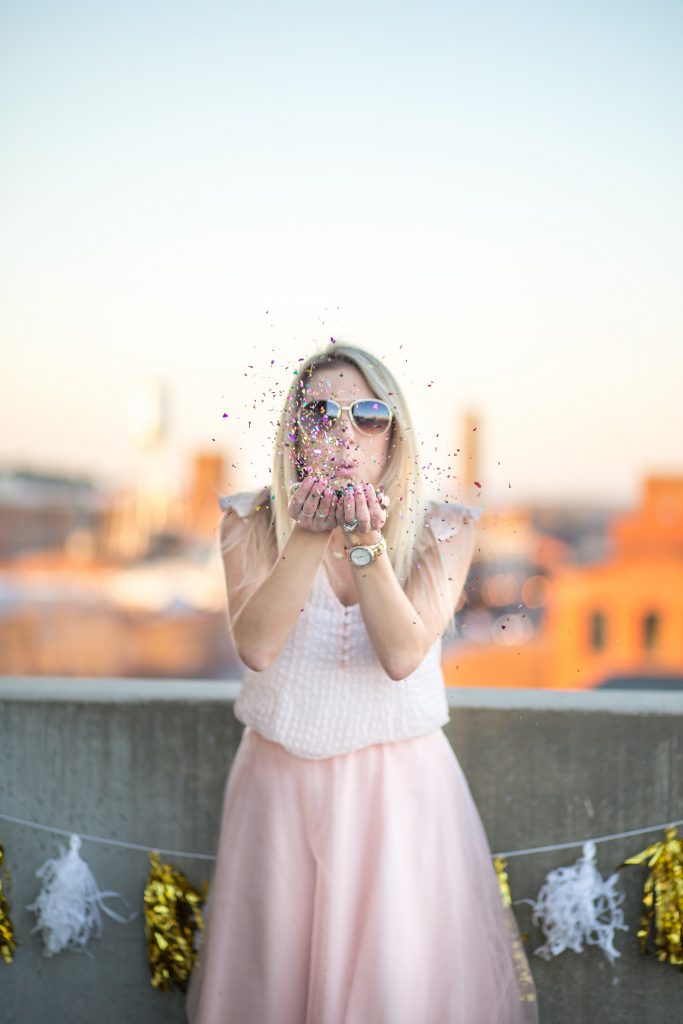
(313, 505)
(360, 503)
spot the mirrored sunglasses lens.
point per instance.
(372, 416)
(320, 415)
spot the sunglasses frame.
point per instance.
(349, 410)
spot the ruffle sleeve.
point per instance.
(445, 518)
(242, 502)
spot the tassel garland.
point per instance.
(173, 920)
(500, 866)
(69, 903)
(8, 943)
(575, 905)
(661, 924)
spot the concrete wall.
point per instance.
(146, 761)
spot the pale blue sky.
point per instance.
(495, 188)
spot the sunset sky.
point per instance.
(487, 195)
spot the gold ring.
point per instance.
(309, 515)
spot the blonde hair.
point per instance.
(411, 548)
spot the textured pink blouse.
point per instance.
(326, 693)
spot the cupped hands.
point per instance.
(317, 507)
(313, 505)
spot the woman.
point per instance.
(353, 882)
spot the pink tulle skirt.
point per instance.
(357, 889)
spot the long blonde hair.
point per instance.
(411, 548)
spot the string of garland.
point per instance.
(69, 910)
(574, 906)
(123, 844)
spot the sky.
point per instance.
(488, 196)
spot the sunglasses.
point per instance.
(369, 415)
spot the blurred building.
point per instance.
(625, 617)
(604, 623)
(89, 587)
(44, 511)
(207, 483)
(98, 583)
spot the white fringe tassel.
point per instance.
(69, 902)
(575, 905)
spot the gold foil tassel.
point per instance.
(8, 943)
(661, 925)
(527, 992)
(500, 865)
(172, 919)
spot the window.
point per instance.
(598, 628)
(651, 629)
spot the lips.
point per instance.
(346, 470)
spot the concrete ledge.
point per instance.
(118, 691)
(110, 691)
(145, 761)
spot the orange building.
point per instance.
(622, 617)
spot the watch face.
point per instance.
(360, 556)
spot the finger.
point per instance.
(383, 498)
(300, 494)
(322, 520)
(333, 518)
(362, 512)
(326, 501)
(349, 506)
(312, 498)
(319, 486)
(376, 512)
(297, 501)
(339, 509)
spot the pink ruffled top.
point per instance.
(327, 693)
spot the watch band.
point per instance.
(374, 549)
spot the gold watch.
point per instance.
(365, 554)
